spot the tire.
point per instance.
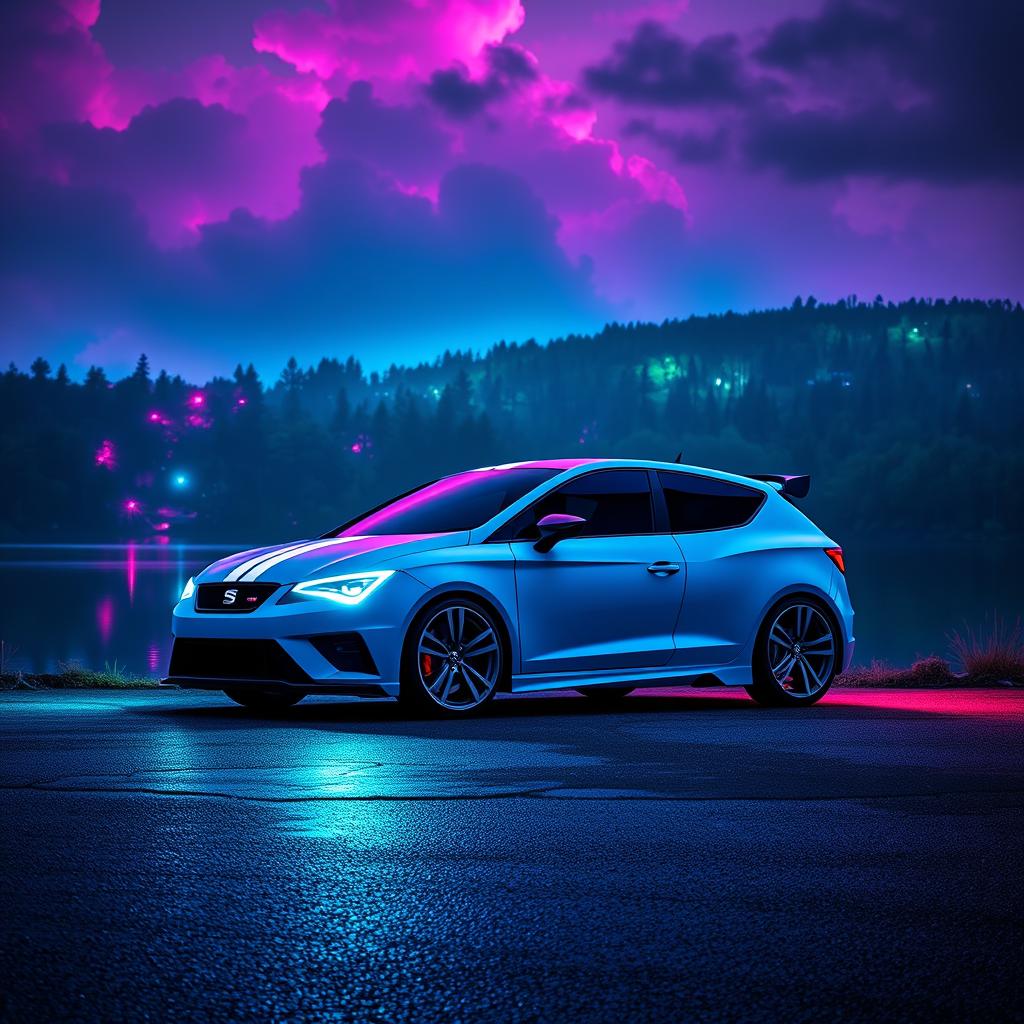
(454, 660)
(606, 694)
(265, 698)
(797, 653)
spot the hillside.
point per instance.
(909, 416)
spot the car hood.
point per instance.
(311, 559)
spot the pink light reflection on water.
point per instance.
(130, 569)
(105, 618)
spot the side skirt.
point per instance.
(719, 675)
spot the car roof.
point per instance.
(563, 465)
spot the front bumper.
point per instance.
(283, 643)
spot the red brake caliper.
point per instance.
(428, 665)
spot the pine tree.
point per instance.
(141, 373)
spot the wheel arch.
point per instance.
(807, 591)
(480, 596)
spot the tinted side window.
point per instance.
(698, 503)
(614, 503)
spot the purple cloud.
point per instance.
(656, 67)
(395, 177)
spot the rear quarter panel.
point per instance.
(734, 576)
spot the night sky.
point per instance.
(250, 179)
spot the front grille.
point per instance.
(234, 659)
(347, 652)
(232, 597)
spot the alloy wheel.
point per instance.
(458, 658)
(801, 650)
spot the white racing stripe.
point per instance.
(283, 556)
(240, 570)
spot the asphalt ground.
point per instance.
(168, 856)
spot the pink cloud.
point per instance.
(59, 74)
(659, 186)
(190, 145)
(386, 38)
(186, 164)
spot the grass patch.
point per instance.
(72, 676)
(993, 654)
(925, 674)
(990, 656)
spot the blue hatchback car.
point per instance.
(601, 575)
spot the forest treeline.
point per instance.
(909, 416)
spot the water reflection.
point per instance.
(101, 604)
(95, 604)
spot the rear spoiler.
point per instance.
(788, 486)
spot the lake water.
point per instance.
(97, 605)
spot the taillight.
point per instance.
(836, 554)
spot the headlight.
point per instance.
(190, 589)
(350, 589)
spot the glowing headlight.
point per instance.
(349, 589)
(190, 589)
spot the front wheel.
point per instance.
(264, 698)
(454, 658)
(795, 654)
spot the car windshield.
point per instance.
(450, 505)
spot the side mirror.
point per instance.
(556, 527)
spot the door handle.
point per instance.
(663, 568)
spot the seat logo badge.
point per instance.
(230, 595)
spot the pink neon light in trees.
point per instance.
(106, 455)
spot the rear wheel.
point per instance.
(454, 658)
(264, 698)
(606, 694)
(795, 654)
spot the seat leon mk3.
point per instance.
(598, 575)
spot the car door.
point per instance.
(709, 519)
(607, 598)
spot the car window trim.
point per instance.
(700, 476)
(593, 536)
